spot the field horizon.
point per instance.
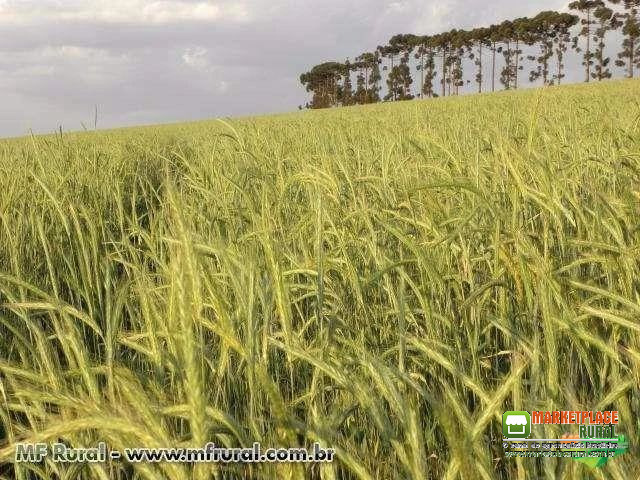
(195, 123)
(385, 280)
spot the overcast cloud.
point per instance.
(144, 61)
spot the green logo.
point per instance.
(602, 456)
(516, 425)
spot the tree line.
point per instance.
(504, 50)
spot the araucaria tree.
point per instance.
(399, 82)
(629, 57)
(400, 76)
(346, 97)
(445, 44)
(367, 82)
(427, 67)
(606, 20)
(522, 35)
(552, 34)
(514, 35)
(543, 31)
(507, 35)
(323, 81)
(588, 21)
(479, 40)
(562, 38)
(459, 45)
(374, 79)
(390, 52)
(495, 37)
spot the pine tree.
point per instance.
(588, 21)
(495, 37)
(507, 34)
(389, 52)
(367, 90)
(426, 54)
(629, 57)
(346, 97)
(323, 81)
(360, 94)
(402, 45)
(561, 40)
(551, 33)
(541, 30)
(442, 43)
(373, 92)
(460, 43)
(430, 75)
(606, 21)
(479, 39)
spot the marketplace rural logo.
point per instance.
(597, 439)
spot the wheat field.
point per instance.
(385, 280)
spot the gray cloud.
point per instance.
(148, 61)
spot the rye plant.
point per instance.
(385, 280)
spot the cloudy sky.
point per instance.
(150, 61)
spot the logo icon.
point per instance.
(516, 424)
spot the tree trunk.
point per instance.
(508, 60)
(393, 81)
(407, 87)
(421, 75)
(444, 76)
(432, 72)
(327, 93)
(480, 68)
(545, 65)
(366, 84)
(515, 74)
(454, 80)
(599, 67)
(449, 70)
(588, 61)
(493, 69)
(559, 67)
(632, 40)
(458, 73)
(449, 76)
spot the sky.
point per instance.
(163, 61)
